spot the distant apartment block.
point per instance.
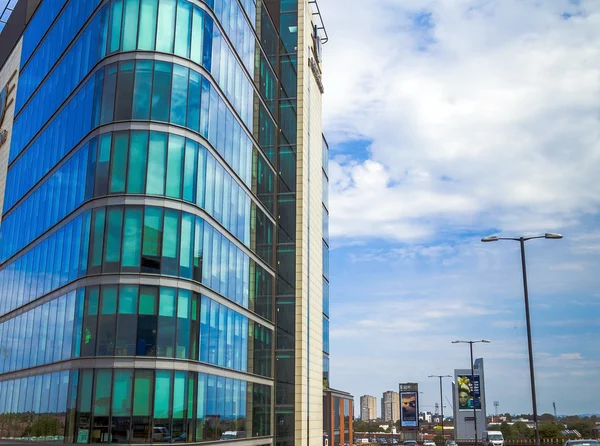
(390, 406)
(368, 407)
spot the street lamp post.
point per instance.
(441, 398)
(485, 341)
(522, 241)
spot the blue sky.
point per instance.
(5, 12)
(448, 121)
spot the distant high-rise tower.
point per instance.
(368, 407)
(390, 406)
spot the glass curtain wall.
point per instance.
(114, 204)
(286, 231)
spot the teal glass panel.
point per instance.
(165, 34)
(197, 35)
(85, 391)
(155, 182)
(119, 162)
(143, 393)
(179, 95)
(142, 89)
(174, 166)
(102, 392)
(115, 26)
(136, 171)
(102, 166)
(182, 33)
(113, 235)
(152, 240)
(147, 28)
(122, 389)
(183, 324)
(185, 254)
(97, 237)
(189, 174)
(166, 323)
(162, 394)
(179, 394)
(169, 262)
(161, 91)
(128, 299)
(201, 178)
(132, 238)
(193, 101)
(147, 302)
(130, 25)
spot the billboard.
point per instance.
(469, 393)
(409, 412)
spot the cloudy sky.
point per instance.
(447, 121)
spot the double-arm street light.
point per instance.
(485, 341)
(522, 241)
(441, 398)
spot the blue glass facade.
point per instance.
(139, 261)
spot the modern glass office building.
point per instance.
(163, 233)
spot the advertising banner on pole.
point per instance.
(469, 393)
(409, 413)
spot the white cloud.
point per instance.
(494, 125)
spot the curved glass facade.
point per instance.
(138, 264)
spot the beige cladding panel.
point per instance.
(309, 267)
(11, 65)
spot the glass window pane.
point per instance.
(132, 238)
(115, 29)
(179, 95)
(106, 321)
(147, 322)
(142, 89)
(169, 262)
(122, 387)
(179, 394)
(162, 394)
(136, 174)
(182, 35)
(127, 321)
(174, 165)
(197, 33)
(113, 236)
(189, 176)
(143, 393)
(124, 98)
(147, 33)
(102, 392)
(130, 24)
(103, 165)
(108, 94)
(183, 324)
(165, 35)
(155, 183)
(161, 92)
(166, 323)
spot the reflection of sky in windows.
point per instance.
(6, 7)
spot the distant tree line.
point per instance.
(549, 427)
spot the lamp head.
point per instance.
(489, 238)
(552, 236)
(486, 341)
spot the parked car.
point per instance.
(410, 443)
(159, 433)
(450, 443)
(429, 443)
(581, 443)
